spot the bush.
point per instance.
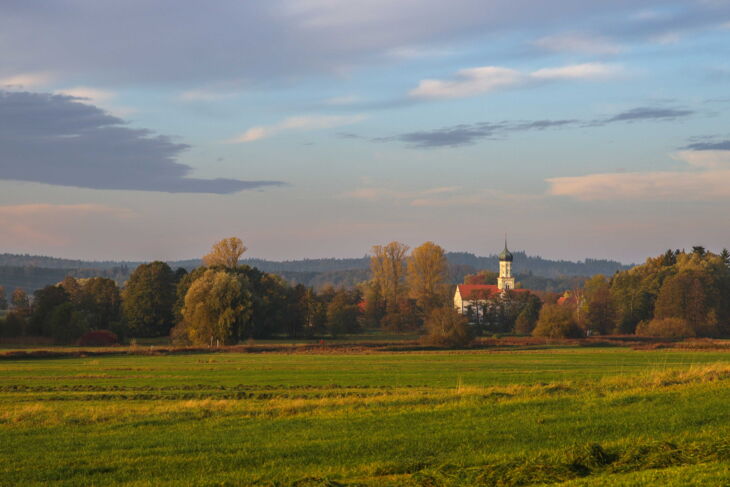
(179, 335)
(557, 321)
(525, 324)
(98, 338)
(446, 327)
(665, 328)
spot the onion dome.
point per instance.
(506, 255)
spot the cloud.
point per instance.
(707, 179)
(24, 81)
(710, 146)
(410, 52)
(465, 134)
(295, 123)
(53, 211)
(214, 91)
(52, 225)
(204, 95)
(98, 97)
(647, 113)
(342, 100)
(469, 82)
(485, 79)
(94, 95)
(440, 197)
(453, 136)
(288, 39)
(57, 139)
(373, 194)
(581, 43)
(706, 158)
(585, 71)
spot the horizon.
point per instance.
(245, 257)
(319, 128)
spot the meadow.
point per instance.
(559, 416)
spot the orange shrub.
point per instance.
(665, 328)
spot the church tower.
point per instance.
(505, 280)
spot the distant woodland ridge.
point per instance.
(32, 272)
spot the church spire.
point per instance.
(505, 280)
(506, 255)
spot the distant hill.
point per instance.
(32, 272)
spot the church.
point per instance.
(473, 296)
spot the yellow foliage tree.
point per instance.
(428, 275)
(388, 266)
(216, 306)
(225, 253)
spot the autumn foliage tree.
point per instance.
(217, 306)
(686, 296)
(388, 267)
(225, 253)
(448, 328)
(598, 314)
(428, 276)
(557, 321)
(20, 301)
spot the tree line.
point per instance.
(226, 302)
(222, 301)
(219, 302)
(676, 294)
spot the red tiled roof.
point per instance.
(466, 290)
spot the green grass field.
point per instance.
(566, 416)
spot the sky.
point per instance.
(145, 130)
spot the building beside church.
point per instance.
(471, 298)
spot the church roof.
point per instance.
(466, 290)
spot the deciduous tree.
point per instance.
(388, 267)
(598, 313)
(557, 322)
(342, 314)
(45, 300)
(225, 253)
(20, 301)
(447, 327)
(217, 306)
(428, 276)
(482, 277)
(102, 302)
(148, 300)
(685, 295)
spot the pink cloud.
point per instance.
(33, 225)
(709, 179)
